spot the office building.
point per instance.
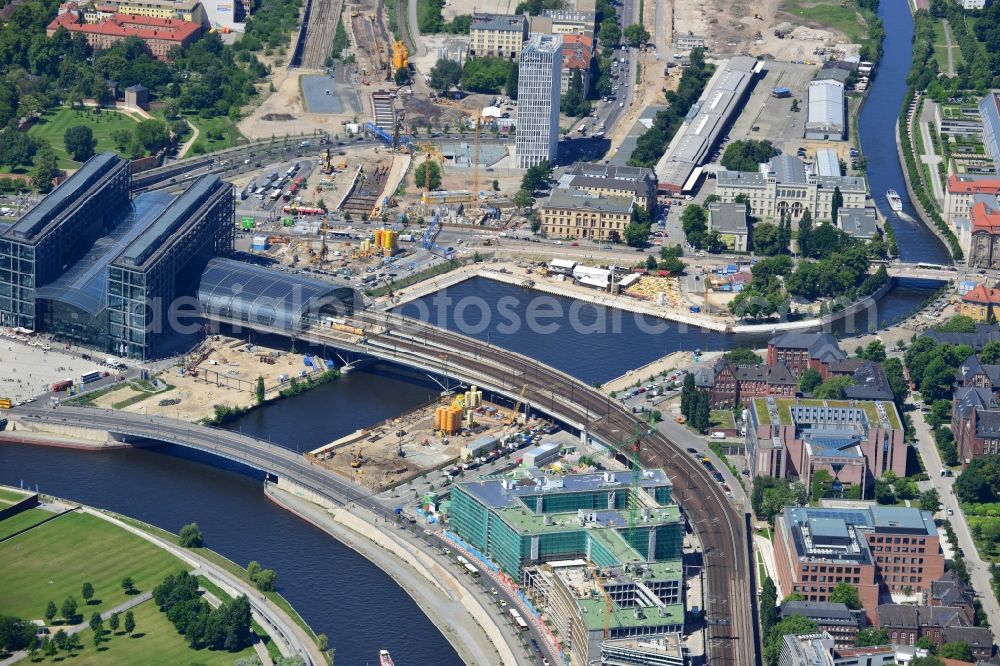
(567, 539)
(612, 180)
(805, 351)
(973, 4)
(577, 51)
(989, 112)
(828, 162)
(666, 650)
(571, 22)
(879, 550)
(906, 624)
(975, 419)
(730, 220)
(689, 41)
(185, 10)
(729, 384)
(784, 185)
(858, 223)
(870, 381)
(980, 235)
(56, 233)
(853, 442)
(820, 650)
(165, 261)
(578, 213)
(836, 619)
(825, 117)
(538, 82)
(160, 35)
(497, 36)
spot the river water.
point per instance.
(336, 590)
(878, 138)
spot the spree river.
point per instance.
(336, 590)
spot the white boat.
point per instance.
(384, 659)
(895, 202)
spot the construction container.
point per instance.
(260, 244)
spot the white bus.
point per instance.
(472, 571)
(275, 193)
(518, 620)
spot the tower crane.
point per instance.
(517, 405)
(475, 166)
(631, 446)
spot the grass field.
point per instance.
(9, 496)
(830, 13)
(215, 133)
(53, 561)
(154, 642)
(54, 123)
(21, 521)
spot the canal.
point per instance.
(878, 138)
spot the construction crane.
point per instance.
(596, 573)
(475, 167)
(631, 446)
(517, 406)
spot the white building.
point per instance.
(785, 185)
(825, 121)
(538, 100)
(973, 4)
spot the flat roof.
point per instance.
(826, 104)
(572, 199)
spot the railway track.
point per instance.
(730, 596)
(321, 26)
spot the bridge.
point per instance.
(730, 596)
(924, 271)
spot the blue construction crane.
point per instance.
(430, 235)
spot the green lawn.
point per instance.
(53, 561)
(21, 521)
(215, 133)
(54, 123)
(721, 418)
(155, 641)
(988, 551)
(10, 496)
(830, 13)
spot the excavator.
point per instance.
(357, 460)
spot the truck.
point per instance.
(718, 434)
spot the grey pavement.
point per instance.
(978, 570)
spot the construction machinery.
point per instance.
(631, 446)
(517, 407)
(400, 56)
(475, 167)
(357, 460)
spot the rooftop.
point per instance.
(727, 218)
(982, 295)
(504, 22)
(973, 184)
(826, 105)
(573, 199)
(125, 25)
(858, 222)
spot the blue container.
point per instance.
(695, 309)
(308, 361)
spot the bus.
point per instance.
(931, 267)
(88, 377)
(472, 571)
(518, 620)
(300, 210)
(275, 194)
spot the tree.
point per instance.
(688, 391)
(114, 621)
(701, 411)
(767, 239)
(265, 580)
(768, 605)
(575, 102)
(46, 169)
(770, 496)
(927, 661)
(636, 234)
(523, 198)
(80, 142)
(609, 33)
(536, 177)
(875, 352)
(926, 643)
(190, 536)
(152, 135)
(836, 204)
(955, 650)
(845, 593)
(128, 584)
(743, 356)
(129, 622)
(991, 352)
(87, 592)
(805, 233)
(980, 481)
(930, 501)
(833, 388)
(444, 75)
(425, 168)
(401, 76)
(651, 263)
(809, 380)
(694, 224)
(96, 622)
(15, 633)
(259, 390)
(50, 612)
(68, 610)
(747, 154)
(793, 624)
(883, 492)
(869, 637)
(635, 34)
(123, 139)
(98, 636)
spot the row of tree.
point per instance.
(695, 405)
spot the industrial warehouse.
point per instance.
(94, 266)
(605, 566)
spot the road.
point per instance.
(978, 570)
(732, 630)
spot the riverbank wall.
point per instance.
(460, 617)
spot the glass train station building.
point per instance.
(94, 266)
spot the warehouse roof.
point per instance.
(826, 105)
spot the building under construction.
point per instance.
(600, 568)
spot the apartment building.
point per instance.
(577, 52)
(497, 35)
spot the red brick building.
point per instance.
(729, 384)
(804, 351)
(159, 34)
(879, 550)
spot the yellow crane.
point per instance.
(517, 406)
(607, 602)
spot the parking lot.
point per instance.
(772, 115)
(324, 94)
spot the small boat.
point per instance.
(895, 202)
(384, 659)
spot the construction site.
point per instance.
(461, 427)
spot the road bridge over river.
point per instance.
(730, 597)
